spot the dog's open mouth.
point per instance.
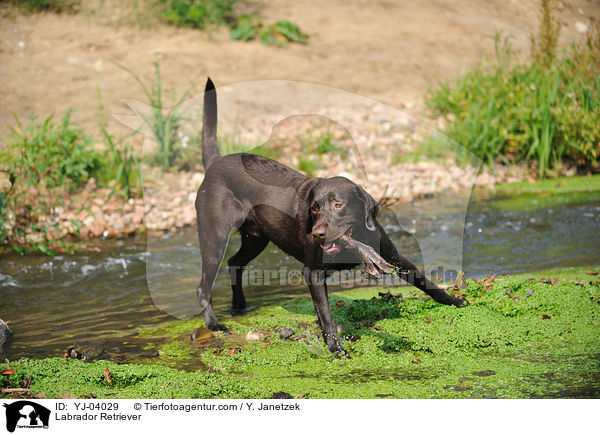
(334, 246)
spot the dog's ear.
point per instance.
(309, 197)
(371, 208)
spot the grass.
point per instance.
(36, 6)
(123, 170)
(525, 336)
(165, 124)
(197, 14)
(544, 111)
(45, 162)
(280, 33)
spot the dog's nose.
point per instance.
(319, 233)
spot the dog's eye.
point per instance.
(338, 205)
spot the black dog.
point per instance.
(305, 217)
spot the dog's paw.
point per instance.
(462, 303)
(337, 350)
(341, 354)
(236, 311)
(217, 327)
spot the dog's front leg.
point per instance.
(411, 274)
(315, 279)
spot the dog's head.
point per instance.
(337, 206)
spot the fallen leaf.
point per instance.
(8, 371)
(264, 346)
(591, 272)
(300, 396)
(545, 316)
(488, 282)
(464, 379)
(416, 361)
(340, 304)
(233, 351)
(106, 374)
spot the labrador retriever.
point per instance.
(305, 217)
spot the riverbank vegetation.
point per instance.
(543, 111)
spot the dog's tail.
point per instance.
(210, 146)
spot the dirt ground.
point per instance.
(383, 49)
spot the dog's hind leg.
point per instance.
(411, 274)
(210, 268)
(252, 245)
(214, 226)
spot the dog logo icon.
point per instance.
(26, 414)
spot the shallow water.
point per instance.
(102, 299)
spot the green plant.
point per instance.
(282, 32)
(44, 162)
(57, 154)
(248, 27)
(309, 165)
(35, 6)
(544, 112)
(122, 169)
(314, 149)
(165, 124)
(543, 46)
(197, 14)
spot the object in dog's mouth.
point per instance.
(375, 265)
(334, 247)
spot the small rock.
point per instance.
(5, 333)
(152, 353)
(286, 333)
(200, 334)
(581, 27)
(253, 336)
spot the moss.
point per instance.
(583, 183)
(541, 194)
(533, 335)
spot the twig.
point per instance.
(14, 390)
(110, 393)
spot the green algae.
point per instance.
(524, 196)
(524, 336)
